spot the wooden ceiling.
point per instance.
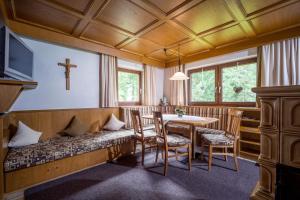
(147, 27)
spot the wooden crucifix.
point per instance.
(68, 66)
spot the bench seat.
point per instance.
(63, 147)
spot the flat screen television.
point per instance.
(16, 58)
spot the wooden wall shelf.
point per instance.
(24, 84)
(249, 144)
(10, 90)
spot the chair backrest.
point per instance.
(233, 123)
(159, 125)
(137, 122)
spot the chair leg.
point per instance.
(176, 153)
(134, 147)
(157, 151)
(166, 163)
(190, 157)
(225, 153)
(235, 159)
(202, 150)
(210, 157)
(143, 152)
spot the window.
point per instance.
(237, 82)
(203, 86)
(129, 87)
(226, 84)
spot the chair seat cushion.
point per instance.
(217, 139)
(201, 131)
(174, 140)
(148, 127)
(147, 134)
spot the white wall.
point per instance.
(84, 93)
(222, 59)
(130, 65)
(51, 92)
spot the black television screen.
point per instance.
(16, 58)
(20, 58)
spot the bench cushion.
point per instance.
(62, 147)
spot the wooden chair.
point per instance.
(166, 142)
(223, 139)
(145, 137)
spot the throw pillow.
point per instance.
(76, 128)
(24, 136)
(94, 128)
(114, 124)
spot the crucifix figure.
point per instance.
(67, 65)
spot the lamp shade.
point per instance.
(179, 76)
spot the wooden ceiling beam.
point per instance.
(239, 14)
(90, 14)
(149, 28)
(189, 33)
(162, 18)
(62, 8)
(149, 8)
(245, 44)
(270, 8)
(3, 12)
(12, 9)
(70, 41)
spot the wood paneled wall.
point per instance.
(52, 122)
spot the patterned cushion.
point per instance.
(217, 139)
(201, 131)
(148, 134)
(175, 140)
(62, 147)
(149, 127)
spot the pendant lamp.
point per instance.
(179, 76)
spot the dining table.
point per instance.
(193, 121)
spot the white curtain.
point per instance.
(174, 90)
(279, 63)
(108, 81)
(150, 87)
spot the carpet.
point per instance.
(126, 179)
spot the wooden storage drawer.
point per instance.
(33, 175)
(290, 149)
(269, 146)
(291, 114)
(270, 113)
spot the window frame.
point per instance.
(218, 79)
(130, 103)
(190, 72)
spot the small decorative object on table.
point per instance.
(180, 111)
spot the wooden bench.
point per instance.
(51, 122)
